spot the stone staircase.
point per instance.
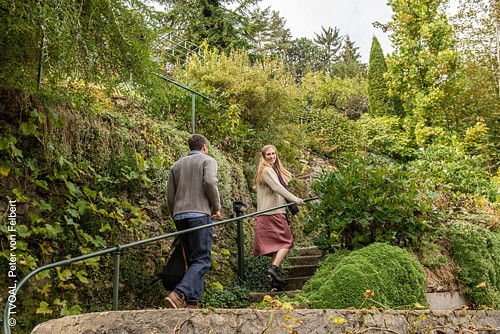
(297, 269)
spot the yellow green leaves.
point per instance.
(43, 308)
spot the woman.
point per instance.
(272, 233)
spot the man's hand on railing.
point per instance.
(216, 215)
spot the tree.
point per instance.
(423, 66)
(273, 38)
(348, 64)
(380, 102)
(101, 40)
(210, 22)
(302, 57)
(349, 52)
(330, 42)
(476, 25)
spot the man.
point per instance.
(193, 200)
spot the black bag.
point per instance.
(175, 268)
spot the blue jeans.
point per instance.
(198, 246)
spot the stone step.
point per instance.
(307, 251)
(299, 268)
(300, 271)
(295, 283)
(303, 260)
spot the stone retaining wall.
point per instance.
(248, 321)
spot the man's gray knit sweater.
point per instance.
(192, 185)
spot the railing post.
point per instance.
(116, 278)
(193, 114)
(239, 208)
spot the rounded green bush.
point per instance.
(393, 273)
(321, 274)
(476, 252)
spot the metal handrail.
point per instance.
(117, 250)
(193, 96)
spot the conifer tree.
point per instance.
(377, 90)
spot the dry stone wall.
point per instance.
(248, 321)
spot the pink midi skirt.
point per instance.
(272, 233)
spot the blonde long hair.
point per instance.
(286, 175)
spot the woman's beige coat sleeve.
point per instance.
(270, 177)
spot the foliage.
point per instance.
(380, 102)
(330, 43)
(476, 25)
(346, 96)
(83, 181)
(363, 203)
(386, 135)
(422, 68)
(432, 254)
(302, 57)
(476, 251)
(349, 52)
(325, 268)
(234, 296)
(87, 168)
(379, 275)
(336, 136)
(257, 98)
(211, 22)
(52, 41)
(349, 65)
(453, 170)
(331, 103)
(256, 273)
(272, 39)
(348, 69)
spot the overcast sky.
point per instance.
(351, 17)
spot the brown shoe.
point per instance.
(173, 300)
(193, 307)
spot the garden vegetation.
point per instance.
(410, 145)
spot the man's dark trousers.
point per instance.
(198, 246)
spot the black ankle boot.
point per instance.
(273, 274)
(278, 286)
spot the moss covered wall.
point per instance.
(88, 173)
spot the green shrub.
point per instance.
(335, 135)
(476, 251)
(363, 203)
(321, 274)
(432, 255)
(393, 273)
(256, 273)
(234, 296)
(454, 171)
(385, 134)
